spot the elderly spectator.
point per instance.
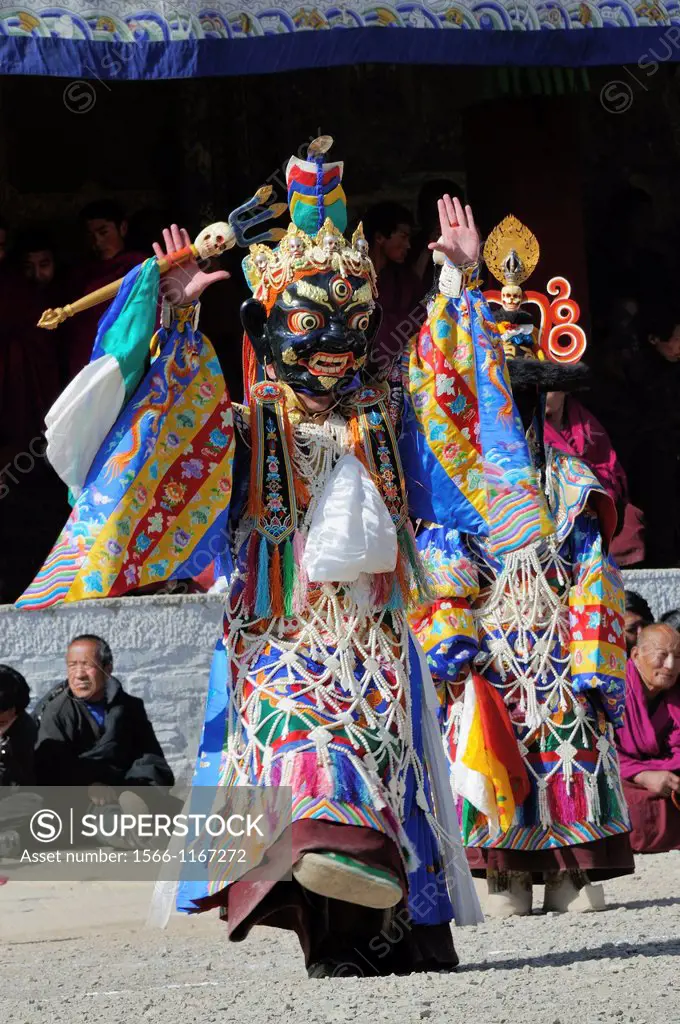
(17, 740)
(649, 741)
(638, 615)
(94, 734)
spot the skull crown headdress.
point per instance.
(314, 242)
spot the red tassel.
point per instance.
(249, 363)
(276, 583)
(251, 572)
(403, 578)
(382, 584)
(567, 807)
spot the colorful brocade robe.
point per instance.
(319, 687)
(544, 627)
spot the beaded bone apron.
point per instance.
(320, 697)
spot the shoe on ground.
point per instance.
(563, 897)
(511, 903)
(339, 877)
(334, 969)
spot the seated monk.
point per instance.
(649, 741)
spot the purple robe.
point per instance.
(649, 739)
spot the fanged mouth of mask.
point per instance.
(327, 364)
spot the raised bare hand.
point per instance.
(185, 283)
(459, 238)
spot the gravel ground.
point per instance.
(79, 952)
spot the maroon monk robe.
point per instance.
(649, 740)
(582, 435)
(80, 331)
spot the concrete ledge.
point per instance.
(162, 648)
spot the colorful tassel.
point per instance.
(249, 362)
(395, 601)
(288, 578)
(355, 438)
(263, 604)
(407, 545)
(310, 777)
(276, 583)
(251, 572)
(381, 589)
(566, 807)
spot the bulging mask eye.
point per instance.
(359, 321)
(302, 321)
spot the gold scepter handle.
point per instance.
(220, 235)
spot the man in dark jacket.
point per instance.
(92, 733)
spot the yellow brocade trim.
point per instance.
(109, 553)
(431, 389)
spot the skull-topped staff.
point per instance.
(211, 242)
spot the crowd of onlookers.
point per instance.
(632, 444)
(86, 732)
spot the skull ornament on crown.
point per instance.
(313, 313)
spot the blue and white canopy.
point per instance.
(125, 40)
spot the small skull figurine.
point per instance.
(296, 247)
(261, 262)
(511, 297)
(362, 247)
(330, 243)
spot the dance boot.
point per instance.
(339, 877)
(510, 894)
(570, 892)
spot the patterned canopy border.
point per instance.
(119, 41)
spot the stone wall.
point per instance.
(162, 648)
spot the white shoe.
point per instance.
(515, 901)
(563, 897)
(340, 877)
